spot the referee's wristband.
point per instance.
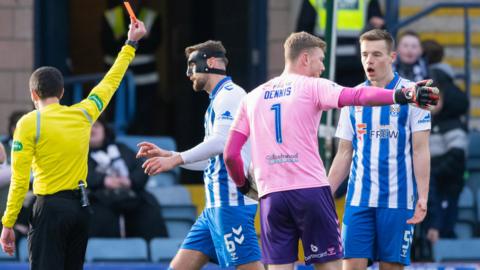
(132, 43)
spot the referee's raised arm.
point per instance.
(53, 143)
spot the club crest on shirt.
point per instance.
(361, 130)
(394, 110)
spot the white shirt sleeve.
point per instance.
(344, 128)
(196, 166)
(420, 119)
(212, 146)
(225, 108)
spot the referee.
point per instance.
(53, 142)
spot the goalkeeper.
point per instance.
(281, 117)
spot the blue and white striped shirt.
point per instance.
(381, 173)
(219, 187)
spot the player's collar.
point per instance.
(391, 84)
(219, 86)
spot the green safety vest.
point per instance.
(116, 20)
(351, 16)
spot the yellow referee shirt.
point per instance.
(54, 142)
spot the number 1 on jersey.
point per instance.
(278, 122)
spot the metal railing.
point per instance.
(124, 97)
(392, 8)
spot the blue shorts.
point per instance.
(378, 234)
(225, 234)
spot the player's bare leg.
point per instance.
(288, 266)
(333, 265)
(188, 259)
(390, 266)
(355, 264)
(251, 266)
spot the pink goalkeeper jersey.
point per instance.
(281, 118)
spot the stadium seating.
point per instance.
(5, 257)
(23, 250)
(174, 195)
(161, 180)
(176, 202)
(473, 152)
(164, 142)
(164, 249)
(116, 249)
(467, 214)
(458, 250)
(178, 227)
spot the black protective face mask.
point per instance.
(197, 63)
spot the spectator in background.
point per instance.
(448, 143)
(3, 155)
(117, 184)
(351, 23)
(410, 64)
(144, 65)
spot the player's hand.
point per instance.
(158, 165)
(245, 188)
(137, 30)
(149, 150)
(420, 212)
(7, 240)
(422, 94)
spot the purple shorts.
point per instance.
(307, 214)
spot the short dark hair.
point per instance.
(379, 34)
(406, 33)
(209, 45)
(298, 42)
(12, 121)
(433, 51)
(47, 82)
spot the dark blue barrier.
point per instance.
(163, 266)
(110, 266)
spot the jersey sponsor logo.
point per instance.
(331, 251)
(361, 130)
(227, 115)
(17, 146)
(425, 119)
(228, 86)
(277, 93)
(383, 133)
(96, 99)
(394, 110)
(282, 158)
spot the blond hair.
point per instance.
(298, 42)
